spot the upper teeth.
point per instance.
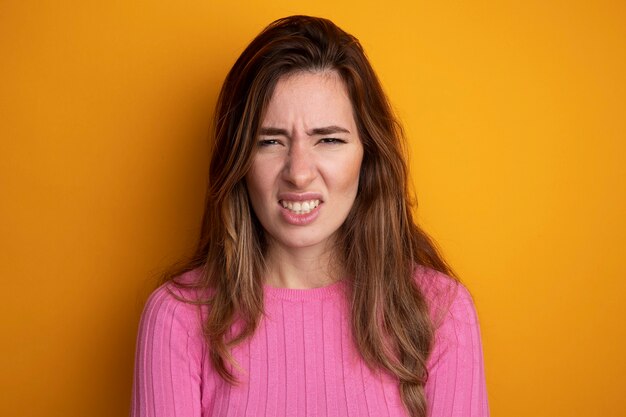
(300, 207)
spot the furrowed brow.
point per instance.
(272, 131)
(328, 130)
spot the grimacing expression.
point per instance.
(305, 170)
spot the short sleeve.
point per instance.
(168, 359)
(456, 384)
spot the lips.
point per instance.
(300, 209)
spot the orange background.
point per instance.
(516, 114)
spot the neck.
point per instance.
(301, 267)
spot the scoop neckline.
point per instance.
(304, 294)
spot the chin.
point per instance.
(301, 242)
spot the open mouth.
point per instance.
(300, 207)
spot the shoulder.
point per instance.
(453, 314)
(173, 305)
(456, 377)
(447, 298)
(170, 352)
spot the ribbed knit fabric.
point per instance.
(302, 361)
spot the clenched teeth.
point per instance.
(300, 207)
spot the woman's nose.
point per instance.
(299, 168)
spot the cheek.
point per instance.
(351, 171)
(255, 192)
(259, 184)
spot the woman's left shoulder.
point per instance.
(456, 376)
(446, 296)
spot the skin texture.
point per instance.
(308, 148)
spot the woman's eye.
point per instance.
(268, 142)
(332, 140)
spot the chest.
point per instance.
(302, 361)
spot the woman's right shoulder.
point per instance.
(170, 351)
(176, 302)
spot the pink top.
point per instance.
(301, 361)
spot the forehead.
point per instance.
(310, 98)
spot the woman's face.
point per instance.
(305, 170)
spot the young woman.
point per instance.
(312, 291)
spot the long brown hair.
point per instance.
(380, 243)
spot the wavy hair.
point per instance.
(389, 314)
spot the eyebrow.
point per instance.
(327, 130)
